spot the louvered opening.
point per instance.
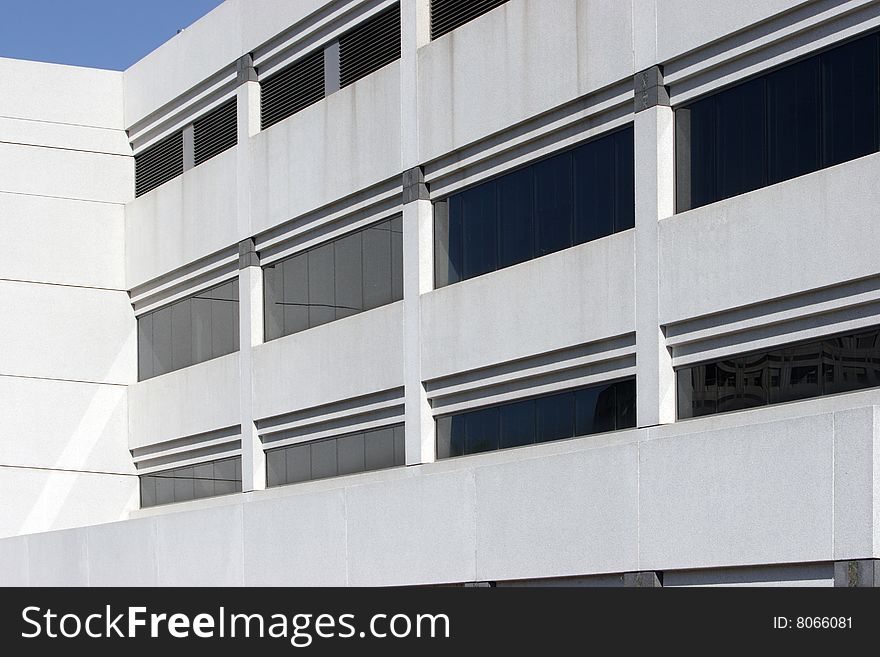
(215, 132)
(158, 164)
(292, 89)
(446, 15)
(370, 46)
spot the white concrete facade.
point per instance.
(765, 496)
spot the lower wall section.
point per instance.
(35, 500)
(793, 484)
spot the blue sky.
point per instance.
(109, 34)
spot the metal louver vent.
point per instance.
(446, 15)
(370, 46)
(292, 89)
(158, 164)
(215, 132)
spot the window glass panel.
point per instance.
(324, 459)
(695, 148)
(162, 361)
(555, 415)
(551, 417)
(183, 484)
(553, 203)
(377, 266)
(517, 232)
(379, 449)
(595, 410)
(594, 190)
(479, 209)
(849, 101)
(397, 258)
(148, 491)
(399, 445)
(273, 298)
(624, 184)
(203, 480)
(801, 370)
(322, 295)
(448, 236)
(276, 467)
(202, 338)
(625, 393)
(145, 347)
(481, 431)
(793, 120)
(181, 334)
(299, 463)
(164, 488)
(349, 275)
(295, 274)
(350, 453)
(518, 424)
(224, 318)
(740, 138)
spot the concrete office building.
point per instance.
(382, 292)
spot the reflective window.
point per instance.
(571, 198)
(357, 272)
(811, 369)
(569, 414)
(376, 449)
(189, 331)
(191, 482)
(805, 116)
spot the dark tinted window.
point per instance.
(376, 449)
(811, 369)
(570, 198)
(191, 482)
(190, 331)
(808, 115)
(582, 412)
(358, 272)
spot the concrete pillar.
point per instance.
(415, 32)
(647, 579)
(655, 193)
(418, 278)
(250, 279)
(189, 147)
(857, 573)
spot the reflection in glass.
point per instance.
(581, 412)
(833, 365)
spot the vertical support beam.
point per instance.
(189, 148)
(655, 189)
(418, 270)
(250, 292)
(250, 278)
(332, 78)
(415, 32)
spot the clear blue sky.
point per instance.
(109, 34)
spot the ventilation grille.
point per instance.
(215, 132)
(293, 89)
(158, 164)
(369, 47)
(446, 15)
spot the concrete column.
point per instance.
(418, 278)
(655, 192)
(250, 279)
(857, 573)
(415, 32)
(332, 82)
(189, 148)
